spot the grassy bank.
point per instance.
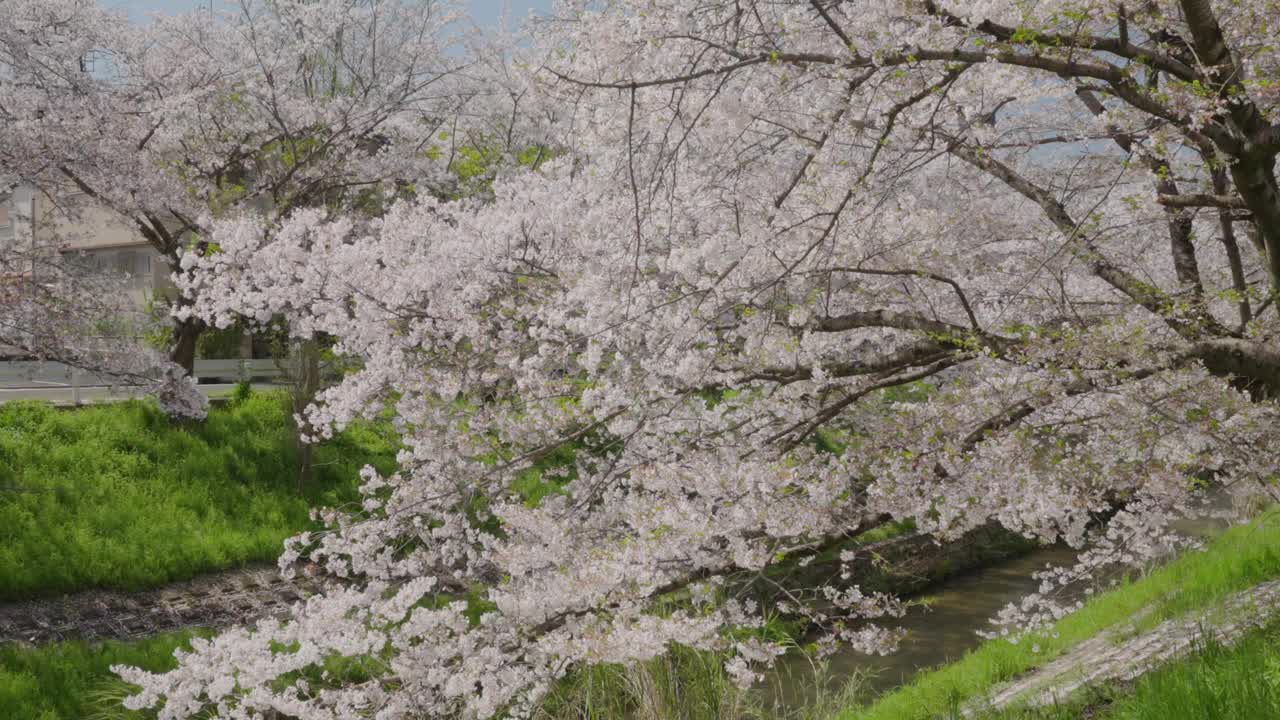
(116, 496)
(1242, 557)
(73, 680)
(1241, 682)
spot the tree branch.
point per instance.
(1193, 200)
(922, 353)
(964, 300)
(904, 321)
(1116, 46)
(1181, 245)
(831, 411)
(831, 23)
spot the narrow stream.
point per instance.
(937, 633)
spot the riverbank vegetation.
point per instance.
(117, 496)
(665, 300)
(1241, 682)
(114, 509)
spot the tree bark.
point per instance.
(1238, 281)
(1255, 179)
(185, 335)
(1254, 366)
(1254, 170)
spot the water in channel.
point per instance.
(940, 630)
(937, 632)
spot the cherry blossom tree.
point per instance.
(794, 270)
(277, 104)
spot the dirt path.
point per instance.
(212, 601)
(1124, 654)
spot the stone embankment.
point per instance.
(210, 601)
(1123, 654)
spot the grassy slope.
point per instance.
(1240, 558)
(116, 496)
(81, 492)
(73, 680)
(1241, 682)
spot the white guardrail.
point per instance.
(25, 374)
(239, 369)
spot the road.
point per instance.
(66, 395)
(56, 382)
(22, 374)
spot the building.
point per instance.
(36, 231)
(105, 243)
(74, 229)
(16, 265)
(79, 231)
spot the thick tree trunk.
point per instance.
(185, 334)
(1255, 179)
(1247, 139)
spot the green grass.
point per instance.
(1241, 682)
(116, 496)
(1238, 559)
(73, 680)
(68, 680)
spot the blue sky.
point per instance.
(485, 11)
